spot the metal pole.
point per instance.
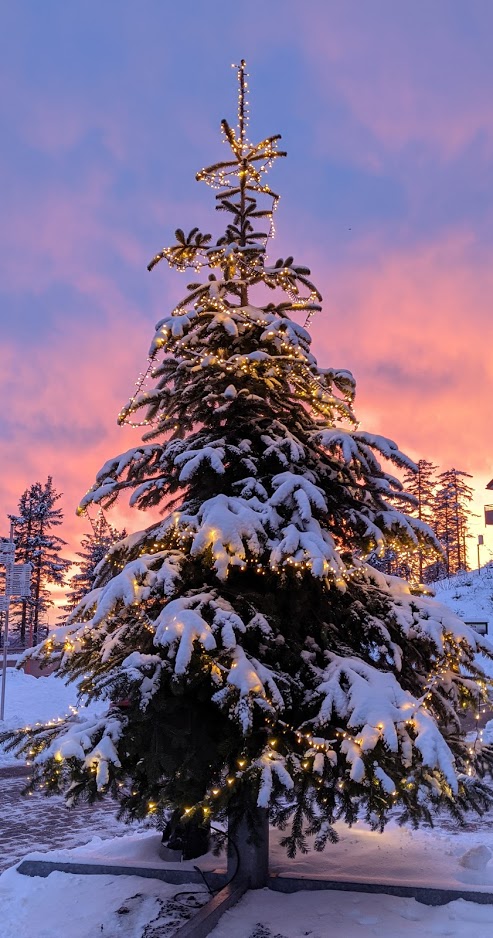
(4, 663)
(480, 544)
(8, 575)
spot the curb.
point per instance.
(427, 895)
(213, 879)
(216, 880)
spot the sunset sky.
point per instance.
(108, 110)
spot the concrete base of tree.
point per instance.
(427, 895)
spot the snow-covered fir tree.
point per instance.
(95, 546)
(253, 657)
(38, 545)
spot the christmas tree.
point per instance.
(252, 658)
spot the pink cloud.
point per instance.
(416, 329)
(414, 324)
(63, 423)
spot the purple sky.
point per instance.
(109, 109)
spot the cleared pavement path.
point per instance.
(38, 822)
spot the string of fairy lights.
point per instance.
(304, 379)
(316, 745)
(240, 175)
(311, 745)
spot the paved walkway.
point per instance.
(38, 822)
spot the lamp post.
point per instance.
(17, 583)
(480, 544)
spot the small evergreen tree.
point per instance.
(264, 663)
(95, 547)
(37, 545)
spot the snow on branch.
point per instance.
(178, 627)
(145, 672)
(136, 581)
(192, 459)
(426, 617)
(386, 447)
(93, 742)
(271, 764)
(228, 526)
(373, 704)
(342, 443)
(356, 449)
(109, 478)
(314, 548)
(298, 490)
(235, 528)
(283, 445)
(244, 688)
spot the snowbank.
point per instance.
(89, 906)
(470, 595)
(265, 914)
(31, 699)
(432, 858)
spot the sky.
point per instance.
(107, 111)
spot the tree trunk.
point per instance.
(248, 847)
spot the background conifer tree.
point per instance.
(38, 545)
(265, 663)
(452, 513)
(422, 485)
(95, 546)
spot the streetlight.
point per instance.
(480, 544)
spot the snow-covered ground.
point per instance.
(265, 914)
(43, 908)
(442, 857)
(469, 594)
(91, 906)
(131, 907)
